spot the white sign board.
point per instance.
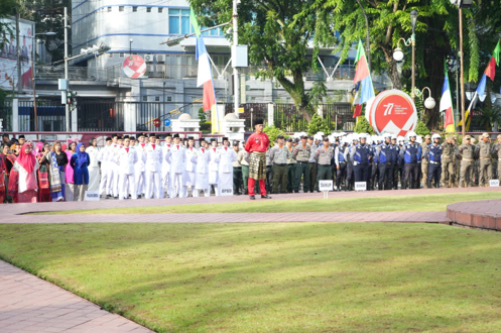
(360, 186)
(91, 196)
(494, 183)
(226, 192)
(325, 185)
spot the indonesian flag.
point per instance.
(205, 75)
(446, 104)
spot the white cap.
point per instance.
(387, 135)
(411, 134)
(435, 136)
(400, 138)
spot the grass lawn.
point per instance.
(418, 203)
(277, 277)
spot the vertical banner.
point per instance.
(271, 114)
(8, 55)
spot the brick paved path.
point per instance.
(29, 304)
(11, 213)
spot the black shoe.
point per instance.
(116, 197)
(252, 197)
(265, 197)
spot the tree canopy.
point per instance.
(279, 35)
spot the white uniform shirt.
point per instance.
(153, 161)
(227, 157)
(202, 165)
(126, 160)
(94, 156)
(177, 158)
(191, 159)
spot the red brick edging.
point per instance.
(484, 214)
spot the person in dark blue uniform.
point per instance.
(434, 155)
(411, 154)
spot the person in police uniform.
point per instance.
(424, 162)
(341, 164)
(496, 151)
(323, 158)
(279, 155)
(237, 169)
(383, 160)
(348, 157)
(484, 156)
(361, 157)
(313, 164)
(291, 166)
(448, 152)
(411, 154)
(302, 154)
(467, 151)
(433, 155)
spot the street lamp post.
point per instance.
(398, 54)
(414, 15)
(461, 4)
(66, 106)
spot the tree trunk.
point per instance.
(297, 92)
(392, 69)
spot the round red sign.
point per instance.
(134, 66)
(393, 111)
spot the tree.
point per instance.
(363, 126)
(436, 37)
(273, 133)
(318, 124)
(278, 35)
(7, 9)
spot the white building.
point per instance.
(131, 26)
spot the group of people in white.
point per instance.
(144, 167)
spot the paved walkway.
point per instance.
(14, 213)
(29, 304)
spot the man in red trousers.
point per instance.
(256, 146)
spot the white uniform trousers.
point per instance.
(177, 186)
(116, 178)
(127, 186)
(93, 179)
(110, 174)
(104, 183)
(153, 185)
(139, 181)
(166, 181)
(190, 180)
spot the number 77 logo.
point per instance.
(389, 108)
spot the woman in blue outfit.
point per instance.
(79, 162)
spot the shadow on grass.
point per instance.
(274, 277)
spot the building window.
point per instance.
(160, 9)
(134, 8)
(169, 98)
(109, 9)
(157, 98)
(148, 9)
(120, 8)
(145, 98)
(122, 55)
(179, 21)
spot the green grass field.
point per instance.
(419, 203)
(282, 277)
